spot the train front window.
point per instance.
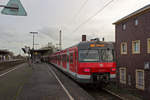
(106, 55)
(88, 56)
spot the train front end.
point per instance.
(96, 63)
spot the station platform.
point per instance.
(38, 82)
(42, 86)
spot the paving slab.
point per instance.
(74, 89)
(42, 86)
(10, 83)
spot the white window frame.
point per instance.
(125, 71)
(124, 26)
(124, 52)
(148, 45)
(133, 46)
(136, 22)
(137, 84)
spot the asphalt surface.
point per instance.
(42, 86)
(38, 82)
(12, 82)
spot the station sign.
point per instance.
(97, 45)
(14, 7)
(92, 45)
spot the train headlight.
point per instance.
(113, 69)
(87, 70)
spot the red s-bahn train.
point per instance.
(87, 62)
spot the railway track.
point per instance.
(101, 93)
(97, 93)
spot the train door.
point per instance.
(64, 60)
(57, 59)
(71, 62)
(67, 60)
(76, 63)
(61, 61)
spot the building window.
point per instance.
(136, 22)
(148, 45)
(123, 48)
(129, 80)
(140, 84)
(136, 47)
(123, 75)
(124, 26)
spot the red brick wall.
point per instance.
(134, 61)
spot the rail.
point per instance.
(10, 63)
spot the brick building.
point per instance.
(133, 51)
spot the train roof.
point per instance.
(95, 44)
(90, 45)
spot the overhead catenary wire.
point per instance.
(101, 9)
(80, 9)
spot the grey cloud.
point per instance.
(52, 13)
(51, 32)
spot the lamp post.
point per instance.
(60, 42)
(33, 33)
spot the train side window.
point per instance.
(64, 58)
(59, 58)
(67, 58)
(71, 58)
(75, 55)
(56, 58)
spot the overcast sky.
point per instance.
(49, 16)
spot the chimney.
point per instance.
(83, 37)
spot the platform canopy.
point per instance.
(41, 52)
(4, 52)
